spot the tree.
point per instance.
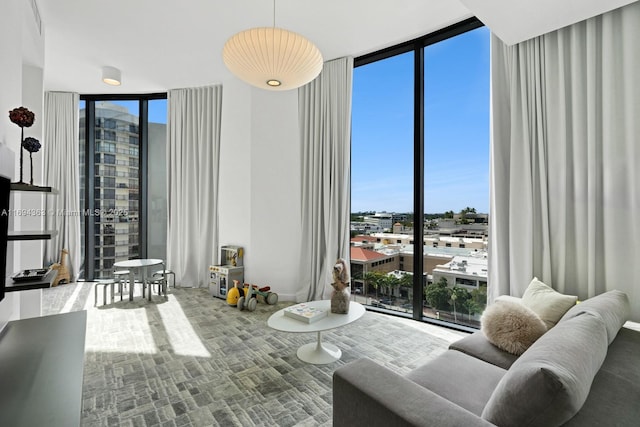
(448, 214)
(464, 212)
(374, 279)
(459, 297)
(471, 307)
(389, 281)
(406, 281)
(479, 296)
(438, 294)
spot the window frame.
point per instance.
(91, 127)
(417, 46)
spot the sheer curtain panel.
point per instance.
(325, 125)
(62, 172)
(564, 159)
(193, 158)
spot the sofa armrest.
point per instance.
(365, 393)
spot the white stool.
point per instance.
(160, 282)
(121, 277)
(104, 283)
(166, 273)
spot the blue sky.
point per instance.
(456, 129)
(158, 111)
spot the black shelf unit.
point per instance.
(20, 186)
(20, 236)
(11, 286)
(31, 235)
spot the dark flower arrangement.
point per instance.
(32, 145)
(24, 118)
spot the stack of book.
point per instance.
(305, 313)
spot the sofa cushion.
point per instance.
(615, 392)
(511, 326)
(478, 346)
(453, 374)
(546, 302)
(613, 307)
(550, 382)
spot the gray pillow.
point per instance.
(613, 307)
(550, 382)
(511, 326)
(546, 302)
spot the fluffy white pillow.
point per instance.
(511, 326)
(549, 304)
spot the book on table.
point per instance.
(305, 313)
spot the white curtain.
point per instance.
(60, 149)
(565, 184)
(193, 158)
(325, 125)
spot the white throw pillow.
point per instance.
(549, 304)
(511, 326)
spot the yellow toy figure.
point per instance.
(234, 294)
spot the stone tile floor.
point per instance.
(192, 360)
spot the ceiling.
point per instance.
(164, 44)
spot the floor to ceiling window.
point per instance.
(420, 176)
(381, 171)
(123, 169)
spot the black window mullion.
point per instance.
(89, 223)
(143, 147)
(418, 183)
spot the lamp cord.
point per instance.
(274, 13)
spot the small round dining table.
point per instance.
(140, 266)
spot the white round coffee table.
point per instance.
(318, 352)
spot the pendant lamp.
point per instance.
(272, 58)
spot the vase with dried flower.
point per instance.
(23, 118)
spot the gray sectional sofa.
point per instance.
(585, 371)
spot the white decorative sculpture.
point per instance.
(340, 295)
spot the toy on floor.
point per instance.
(234, 294)
(253, 295)
(63, 273)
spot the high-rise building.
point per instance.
(116, 183)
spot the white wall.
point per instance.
(26, 253)
(260, 184)
(21, 59)
(235, 169)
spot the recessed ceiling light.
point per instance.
(111, 76)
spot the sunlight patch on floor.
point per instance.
(180, 333)
(127, 331)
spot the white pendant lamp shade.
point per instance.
(111, 76)
(272, 58)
